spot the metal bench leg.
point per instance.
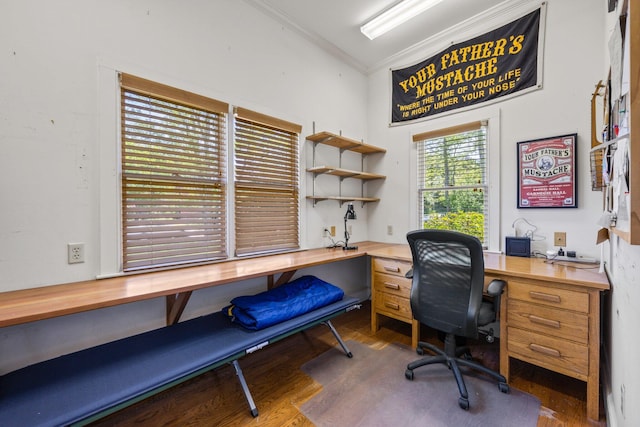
(245, 389)
(335, 334)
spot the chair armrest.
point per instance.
(496, 287)
(409, 274)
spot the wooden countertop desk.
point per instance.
(549, 315)
(176, 285)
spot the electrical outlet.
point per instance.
(75, 253)
(390, 230)
(559, 238)
(329, 231)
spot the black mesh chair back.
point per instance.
(448, 278)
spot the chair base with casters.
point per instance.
(454, 357)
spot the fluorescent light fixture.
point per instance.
(396, 15)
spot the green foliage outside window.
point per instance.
(465, 222)
(454, 183)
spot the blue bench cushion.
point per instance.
(76, 386)
(285, 302)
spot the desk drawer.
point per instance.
(549, 321)
(392, 284)
(549, 295)
(552, 353)
(391, 266)
(393, 304)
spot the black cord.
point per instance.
(564, 263)
(333, 244)
(569, 264)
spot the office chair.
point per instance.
(447, 295)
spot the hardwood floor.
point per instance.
(279, 387)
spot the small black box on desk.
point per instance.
(518, 246)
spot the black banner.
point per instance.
(498, 63)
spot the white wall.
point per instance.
(622, 317)
(58, 135)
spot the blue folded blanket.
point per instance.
(285, 302)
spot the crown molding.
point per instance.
(311, 36)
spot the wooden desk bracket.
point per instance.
(284, 278)
(175, 306)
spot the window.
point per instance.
(266, 183)
(173, 176)
(452, 179)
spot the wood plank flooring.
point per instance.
(279, 387)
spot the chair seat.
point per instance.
(487, 314)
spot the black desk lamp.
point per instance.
(350, 214)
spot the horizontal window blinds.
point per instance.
(450, 131)
(266, 183)
(453, 161)
(173, 176)
(452, 177)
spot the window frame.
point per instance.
(166, 173)
(109, 254)
(492, 118)
(251, 127)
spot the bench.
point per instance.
(81, 387)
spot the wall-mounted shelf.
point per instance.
(343, 144)
(344, 199)
(339, 141)
(345, 173)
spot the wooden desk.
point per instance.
(175, 285)
(549, 316)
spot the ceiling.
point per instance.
(335, 25)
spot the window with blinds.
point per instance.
(173, 176)
(266, 183)
(452, 179)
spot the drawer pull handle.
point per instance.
(544, 350)
(392, 306)
(390, 285)
(544, 297)
(392, 269)
(545, 322)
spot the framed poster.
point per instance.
(547, 172)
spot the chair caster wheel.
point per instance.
(408, 374)
(254, 413)
(420, 351)
(464, 403)
(503, 387)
